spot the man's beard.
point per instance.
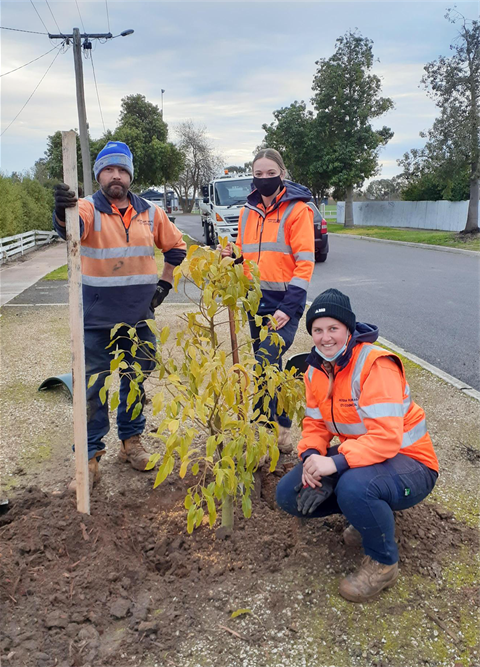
(115, 191)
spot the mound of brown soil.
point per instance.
(105, 589)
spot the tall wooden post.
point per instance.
(82, 113)
(69, 151)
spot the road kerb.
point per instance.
(412, 244)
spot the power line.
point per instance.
(31, 1)
(31, 61)
(96, 88)
(81, 20)
(32, 32)
(53, 17)
(108, 17)
(18, 114)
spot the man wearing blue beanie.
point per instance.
(119, 232)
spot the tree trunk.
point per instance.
(226, 529)
(349, 207)
(472, 215)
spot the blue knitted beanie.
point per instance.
(114, 153)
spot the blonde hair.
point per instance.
(271, 154)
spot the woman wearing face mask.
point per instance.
(275, 230)
(385, 462)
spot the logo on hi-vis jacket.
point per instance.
(348, 402)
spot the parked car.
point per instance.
(321, 234)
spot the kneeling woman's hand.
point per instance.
(316, 467)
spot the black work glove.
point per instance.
(161, 293)
(64, 198)
(309, 499)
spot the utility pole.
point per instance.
(82, 114)
(76, 38)
(164, 183)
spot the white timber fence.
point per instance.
(12, 246)
(449, 216)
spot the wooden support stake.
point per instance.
(233, 337)
(69, 152)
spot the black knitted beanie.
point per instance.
(331, 303)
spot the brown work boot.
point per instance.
(132, 451)
(371, 578)
(352, 537)
(284, 440)
(93, 474)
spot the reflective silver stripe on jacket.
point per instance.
(275, 287)
(381, 410)
(357, 371)
(151, 214)
(299, 282)
(346, 429)
(313, 413)
(271, 246)
(304, 256)
(120, 281)
(411, 437)
(310, 373)
(114, 253)
(97, 216)
(407, 402)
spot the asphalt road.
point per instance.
(423, 300)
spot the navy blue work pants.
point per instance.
(267, 352)
(97, 360)
(367, 497)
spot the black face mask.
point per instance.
(267, 186)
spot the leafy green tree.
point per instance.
(26, 205)
(346, 100)
(294, 133)
(205, 394)
(141, 127)
(451, 154)
(384, 188)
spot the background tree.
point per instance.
(26, 205)
(294, 134)
(448, 167)
(346, 100)
(141, 126)
(201, 163)
(384, 188)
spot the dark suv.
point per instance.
(321, 234)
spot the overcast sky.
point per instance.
(226, 65)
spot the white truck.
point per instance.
(223, 198)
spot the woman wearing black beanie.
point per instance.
(385, 461)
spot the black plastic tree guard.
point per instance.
(57, 380)
(297, 361)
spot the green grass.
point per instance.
(59, 274)
(449, 239)
(62, 273)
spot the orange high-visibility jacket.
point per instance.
(281, 241)
(119, 271)
(370, 410)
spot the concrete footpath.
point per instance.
(20, 274)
